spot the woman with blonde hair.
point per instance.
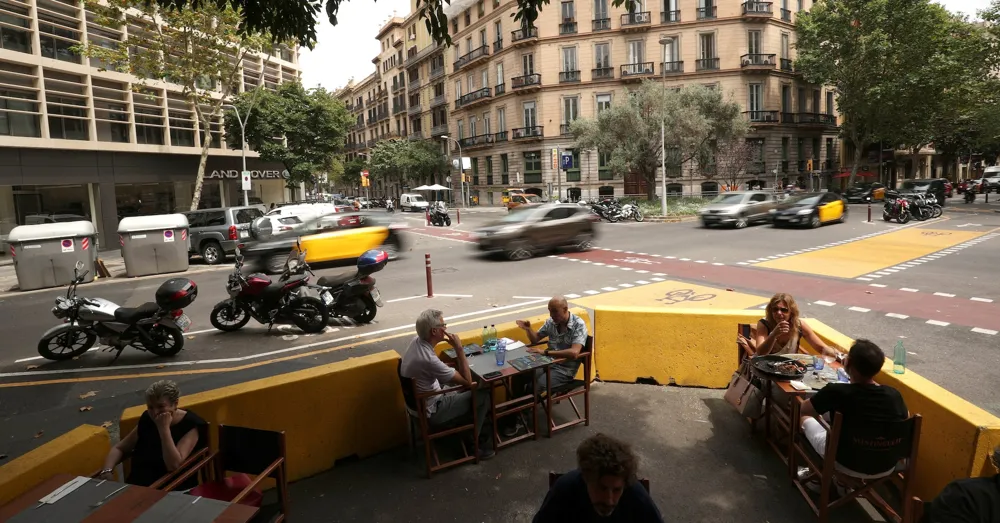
(781, 329)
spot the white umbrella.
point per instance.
(436, 187)
(423, 188)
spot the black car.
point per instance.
(863, 192)
(933, 186)
(810, 210)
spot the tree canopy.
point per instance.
(404, 160)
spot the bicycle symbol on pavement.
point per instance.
(682, 295)
(637, 261)
(935, 233)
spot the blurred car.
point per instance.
(518, 199)
(810, 209)
(325, 238)
(862, 192)
(948, 188)
(739, 209)
(924, 187)
(533, 228)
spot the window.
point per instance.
(65, 122)
(486, 78)
(802, 100)
(489, 170)
(754, 42)
(486, 123)
(569, 59)
(784, 46)
(473, 127)
(504, 169)
(527, 64)
(815, 107)
(502, 120)
(458, 89)
(600, 9)
(829, 150)
(475, 171)
(480, 9)
(533, 167)
(603, 168)
(635, 51)
(800, 5)
(602, 56)
(800, 151)
(468, 45)
(530, 116)
(784, 148)
(468, 17)
(461, 130)
(482, 37)
(603, 102)
(571, 109)
(470, 82)
(815, 151)
(573, 173)
(500, 79)
(568, 14)
(498, 30)
(829, 102)
(454, 25)
(755, 101)
(706, 43)
(670, 50)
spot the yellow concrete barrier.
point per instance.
(80, 451)
(956, 436)
(689, 347)
(352, 407)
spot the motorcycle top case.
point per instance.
(372, 261)
(176, 293)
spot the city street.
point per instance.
(925, 283)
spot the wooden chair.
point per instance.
(416, 412)
(572, 389)
(198, 453)
(916, 510)
(245, 451)
(553, 476)
(877, 450)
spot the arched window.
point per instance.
(709, 189)
(675, 189)
(606, 190)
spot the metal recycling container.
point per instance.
(154, 244)
(45, 254)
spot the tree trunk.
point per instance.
(858, 152)
(205, 146)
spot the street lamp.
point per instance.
(663, 147)
(461, 167)
(243, 147)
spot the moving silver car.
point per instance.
(533, 228)
(738, 209)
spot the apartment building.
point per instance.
(76, 140)
(515, 89)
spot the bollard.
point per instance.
(427, 219)
(869, 211)
(458, 214)
(427, 266)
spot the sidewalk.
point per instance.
(8, 279)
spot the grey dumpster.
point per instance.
(45, 254)
(154, 244)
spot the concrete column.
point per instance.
(109, 215)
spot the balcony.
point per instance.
(637, 21)
(472, 57)
(500, 137)
(670, 17)
(473, 98)
(382, 115)
(757, 63)
(637, 71)
(600, 24)
(786, 15)
(415, 135)
(381, 93)
(759, 11)
(787, 118)
(786, 65)
(816, 119)
(675, 67)
(564, 129)
(568, 27)
(497, 46)
(438, 100)
(602, 73)
(528, 82)
(413, 109)
(397, 87)
(706, 13)
(414, 86)
(566, 77)
(371, 143)
(526, 133)
(439, 130)
(436, 72)
(473, 142)
(398, 109)
(524, 36)
(762, 117)
(706, 64)
(371, 121)
(500, 89)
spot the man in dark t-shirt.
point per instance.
(603, 488)
(860, 401)
(969, 500)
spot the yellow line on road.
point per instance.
(249, 365)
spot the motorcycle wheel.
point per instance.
(937, 211)
(309, 314)
(638, 216)
(904, 218)
(613, 218)
(74, 342)
(921, 214)
(370, 310)
(168, 341)
(886, 216)
(227, 316)
(447, 221)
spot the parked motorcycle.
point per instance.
(440, 216)
(257, 296)
(157, 327)
(631, 211)
(896, 208)
(353, 294)
(607, 210)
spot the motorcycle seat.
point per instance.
(130, 315)
(336, 280)
(278, 284)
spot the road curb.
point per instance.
(118, 278)
(670, 219)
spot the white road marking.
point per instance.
(984, 300)
(897, 316)
(865, 279)
(406, 298)
(858, 309)
(591, 292)
(907, 289)
(657, 279)
(585, 261)
(700, 261)
(824, 303)
(598, 263)
(611, 266)
(642, 272)
(641, 282)
(742, 263)
(626, 268)
(670, 257)
(626, 285)
(533, 297)
(938, 323)
(685, 259)
(609, 289)
(879, 285)
(658, 274)
(945, 294)
(873, 275)
(717, 264)
(890, 270)
(572, 296)
(984, 331)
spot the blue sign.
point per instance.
(567, 161)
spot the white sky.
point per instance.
(347, 50)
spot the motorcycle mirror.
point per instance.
(238, 251)
(79, 265)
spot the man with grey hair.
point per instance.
(970, 500)
(422, 365)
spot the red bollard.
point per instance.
(427, 219)
(458, 213)
(869, 212)
(427, 266)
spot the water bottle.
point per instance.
(486, 338)
(493, 336)
(899, 358)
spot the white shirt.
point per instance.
(425, 368)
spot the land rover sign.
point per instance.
(234, 174)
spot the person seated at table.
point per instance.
(164, 437)
(602, 488)
(566, 334)
(421, 364)
(782, 329)
(968, 500)
(860, 401)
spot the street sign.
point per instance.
(567, 161)
(364, 179)
(245, 178)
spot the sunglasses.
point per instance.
(783, 310)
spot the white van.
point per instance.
(413, 202)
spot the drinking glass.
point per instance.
(501, 351)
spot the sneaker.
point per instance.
(511, 430)
(486, 454)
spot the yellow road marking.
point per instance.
(250, 365)
(873, 254)
(673, 294)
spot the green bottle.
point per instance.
(899, 358)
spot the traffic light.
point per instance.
(809, 165)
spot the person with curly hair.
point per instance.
(781, 330)
(603, 488)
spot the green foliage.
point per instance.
(351, 175)
(312, 122)
(399, 160)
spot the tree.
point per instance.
(399, 160)
(629, 130)
(427, 161)
(732, 160)
(302, 129)
(199, 50)
(351, 175)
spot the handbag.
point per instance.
(744, 394)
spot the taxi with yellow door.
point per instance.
(862, 192)
(810, 210)
(517, 200)
(325, 238)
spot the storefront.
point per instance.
(46, 185)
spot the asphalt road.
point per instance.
(945, 308)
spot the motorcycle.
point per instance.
(156, 327)
(354, 295)
(970, 194)
(607, 210)
(389, 207)
(440, 217)
(896, 208)
(632, 211)
(269, 302)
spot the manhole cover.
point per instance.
(443, 270)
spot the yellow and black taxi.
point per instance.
(325, 238)
(810, 210)
(864, 192)
(519, 199)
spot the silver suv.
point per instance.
(739, 209)
(215, 233)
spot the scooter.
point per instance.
(353, 294)
(440, 217)
(157, 327)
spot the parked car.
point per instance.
(35, 219)
(810, 210)
(517, 200)
(413, 202)
(535, 228)
(739, 209)
(215, 233)
(933, 186)
(862, 192)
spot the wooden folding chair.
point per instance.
(572, 389)
(416, 411)
(245, 451)
(553, 476)
(198, 453)
(916, 510)
(860, 458)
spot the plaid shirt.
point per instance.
(576, 333)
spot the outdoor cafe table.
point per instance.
(131, 504)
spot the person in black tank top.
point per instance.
(781, 330)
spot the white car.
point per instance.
(413, 202)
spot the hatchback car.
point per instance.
(810, 210)
(738, 209)
(530, 229)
